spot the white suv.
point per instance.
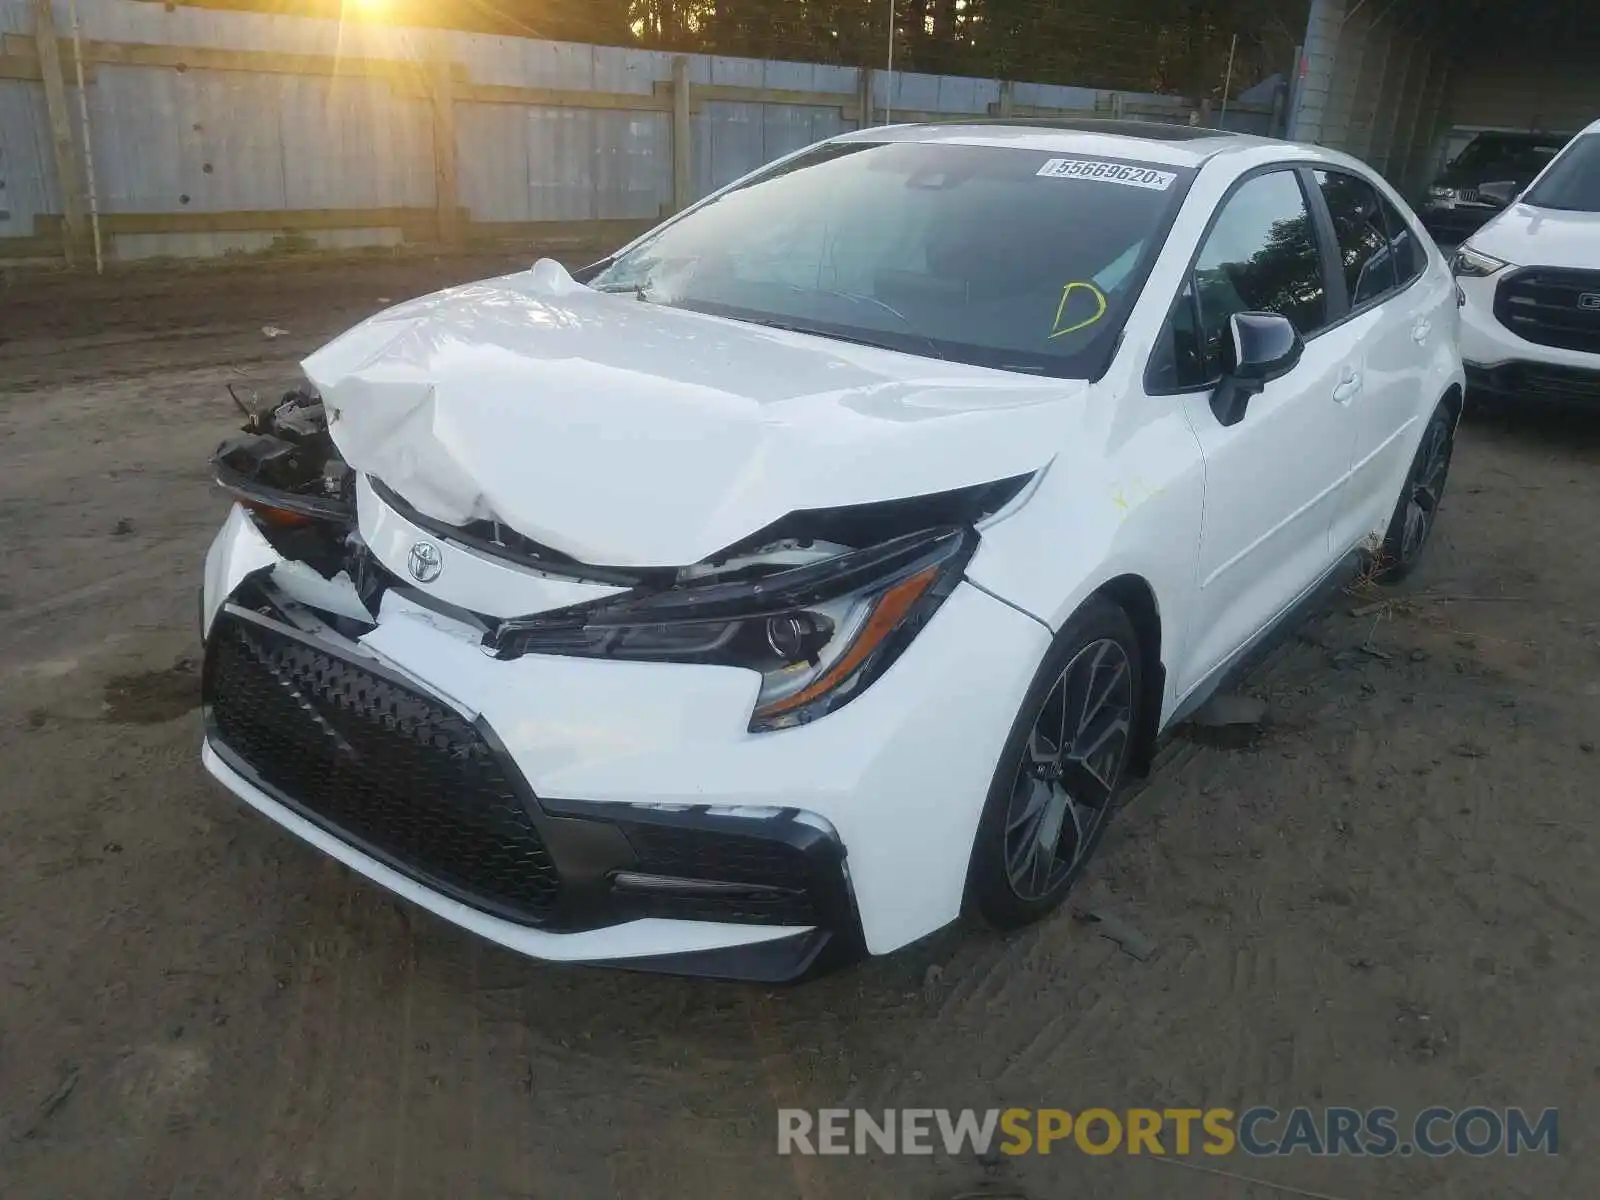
(1530, 282)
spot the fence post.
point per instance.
(446, 190)
(864, 99)
(682, 137)
(1008, 98)
(55, 103)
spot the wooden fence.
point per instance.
(223, 132)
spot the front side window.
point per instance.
(1358, 222)
(1573, 182)
(1179, 361)
(996, 256)
(1261, 256)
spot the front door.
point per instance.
(1274, 481)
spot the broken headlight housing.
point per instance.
(817, 634)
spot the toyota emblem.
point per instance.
(425, 562)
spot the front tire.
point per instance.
(1057, 781)
(1418, 507)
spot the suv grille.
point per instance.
(1552, 307)
(388, 768)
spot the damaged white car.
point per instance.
(827, 559)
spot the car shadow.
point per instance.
(1539, 428)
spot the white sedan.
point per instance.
(827, 559)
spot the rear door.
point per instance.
(1390, 313)
(1274, 481)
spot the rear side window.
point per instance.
(1261, 256)
(1364, 249)
(1410, 259)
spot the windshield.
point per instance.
(1573, 181)
(998, 257)
(1515, 158)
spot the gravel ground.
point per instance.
(1388, 898)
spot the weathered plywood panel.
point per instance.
(27, 165)
(561, 183)
(736, 141)
(632, 165)
(1043, 95)
(15, 17)
(353, 144)
(492, 161)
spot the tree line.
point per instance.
(1177, 46)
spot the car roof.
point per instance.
(1147, 141)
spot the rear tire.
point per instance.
(1055, 786)
(1418, 507)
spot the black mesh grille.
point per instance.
(392, 770)
(1560, 383)
(1552, 307)
(779, 874)
(764, 908)
(1538, 382)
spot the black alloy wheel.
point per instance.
(1056, 785)
(1418, 508)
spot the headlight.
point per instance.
(817, 634)
(1472, 264)
(1444, 195)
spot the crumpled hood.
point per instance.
(1542, 237)
(629, 434)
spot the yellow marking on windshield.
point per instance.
(1056, 328)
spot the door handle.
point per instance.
(1348, 389)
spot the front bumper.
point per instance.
(1501, 363)
(1537, 383)
(600, 787)
(673, 947)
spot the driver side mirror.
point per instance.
(1265, 347)
(1503, 194)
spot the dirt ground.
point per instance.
(1389, 899)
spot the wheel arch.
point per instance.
(1134, 595)
(1456, 399)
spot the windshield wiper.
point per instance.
(857, 298)
(643, 292)
(854, 339)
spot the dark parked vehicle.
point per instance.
(1488, 174)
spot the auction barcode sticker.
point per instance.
(1108, 172)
